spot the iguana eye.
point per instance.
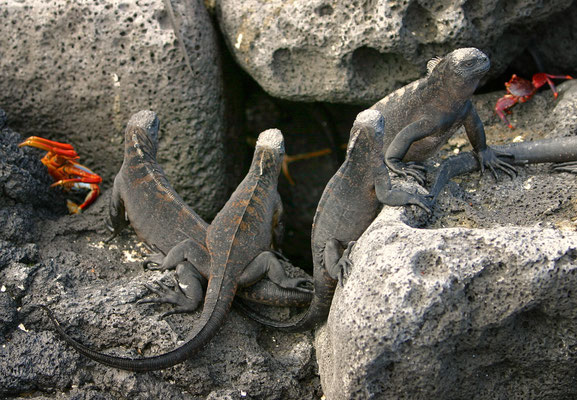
(469, 64)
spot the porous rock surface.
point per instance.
(75, 71)
(358, 51)
(479, 303)
(50, 257)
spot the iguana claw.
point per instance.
(344, 265)
(173, 296)
(411, 169)
(489, 158)
(570, 166)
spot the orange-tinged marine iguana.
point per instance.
(238, 241)
(143, 198)
(423, 115)
(351, 200)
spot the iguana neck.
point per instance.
(448, 92)
(266, 163)
(139, 147)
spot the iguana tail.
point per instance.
(539, 151)
(217, 304)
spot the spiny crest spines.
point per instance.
(432, 63)
(468, 61)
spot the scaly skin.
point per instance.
(423, 115)
(239, 241)
(143, 198)
(350, 202)
(558, 150)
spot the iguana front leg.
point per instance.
(487, 157)
(400, 145)
(117, 212)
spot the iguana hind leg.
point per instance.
(187, 250)
(186, 294)
(267, 264)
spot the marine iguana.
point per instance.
(143, 198)
(423, 115)
(238, 241)
(562, 151)
(351, 200)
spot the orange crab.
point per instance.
(519, 90)
(61, 161)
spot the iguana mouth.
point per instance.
(482, 69)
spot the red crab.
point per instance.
(61, 161)
(519, 90)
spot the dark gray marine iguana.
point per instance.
(560, 151)
(423, 115)
(143, 198)
(238, 241)
(351, 200)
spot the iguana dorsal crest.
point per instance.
(433, 62)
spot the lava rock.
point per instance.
(357, 52)
(75, 71)
(458, 313)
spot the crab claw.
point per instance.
(61, 149)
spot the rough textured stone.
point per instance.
(478, 303)
(454, 313)
(74, 71)
(361, 50)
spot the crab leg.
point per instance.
(94, 192)
(503, 105)
(541, 78)
(61, 149)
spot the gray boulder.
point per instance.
(76, 71)
(357, 52)
(478, 303)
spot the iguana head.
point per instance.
(271, 139)
(142, 128)
(269, 151)
(460, 67)
(367, 132)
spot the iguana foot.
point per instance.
(424, 202)
(154, 262)
(344, 265)
(489, 158)
(268, 264)
(398, 198)
(298, 284)
(173, 296)
(570, 167)
(412, 169)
